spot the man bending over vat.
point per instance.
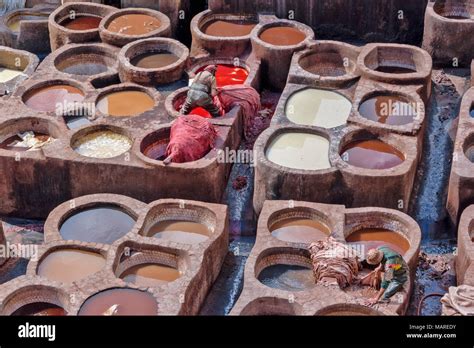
(202, 91)
(395, 273)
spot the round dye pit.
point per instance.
(300, 230)
(282, 36)
(157, 150)
(471, 112)
(372, 154)
(330, 64)
(14, 23)
(7, 74)
(318, 107)
(391, 110)
(150, 274)
(125, 103)
(70, 265)
(186, 232)
(228, 75)
(102, 224)
(154, 60)
(102, 144)
(40, 309)
(27, 141)
(81, 22)
(134, 24)
(228, 28)
(391, 69)
(120, 302)
(456, 10)
(371, 238)
(287, 277)
(52, 98)
(299, 151)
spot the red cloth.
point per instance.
(191, 138)
(248, 98)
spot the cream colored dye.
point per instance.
(8, 74)
(318, 107)
(300, 151)
(102, 144)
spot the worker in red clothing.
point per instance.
(201, 92)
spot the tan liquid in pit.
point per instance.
(282, 36)
(300, 151)
(150, 274)
(297, 230)
(180, 231)
(102, 144)
(227, 28)
(318, 107)
(125, 103)
(373, 238)
(134, 24)
(70, 265)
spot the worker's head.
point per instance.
(211, 68)
(374, 257)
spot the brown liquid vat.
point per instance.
(61, 35)
(233, 45)
(116, 30)
(341, 183)
(29, 297)
(152, 75)
(255, 298)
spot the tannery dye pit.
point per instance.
(125, 103)
(40, 309)
(372, 154)
(391, 110)
(102, 144)
(52, 98)
(376, 237)
(150, 274)
(228, 28)
(282, 36)
(185, 232)
(81, 22)
(103, 224)
(134, 24)
(287, 277)
(298, 230)
(154, 60)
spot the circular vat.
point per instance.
(282, 34)
(154, 145)
(372, 238)
(228, 74)
(85, 60)
(328, 62)
(471, 111)
(150, 268)
(301, 225)
(285, 269)
(395, 59)
(53, 96)
(318, 107)
(299, 150)
(35, 300)
(227, 25)
(456, 10)
(390, 109)
(368, 152)
(100, 142)
(80, 21)
(189, 225)
(99, 223)
(120, 301)
(348, 309)
(69, 264)
(15, 19)
(177, 101)
(133, 24)
(124, 102)
(468, 147)
(27, 134)
(271, 306)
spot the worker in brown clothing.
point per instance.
(201, 92)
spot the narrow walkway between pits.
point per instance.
(435, 272)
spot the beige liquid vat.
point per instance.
(318, 107)
(300, 151)
(8, 74)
